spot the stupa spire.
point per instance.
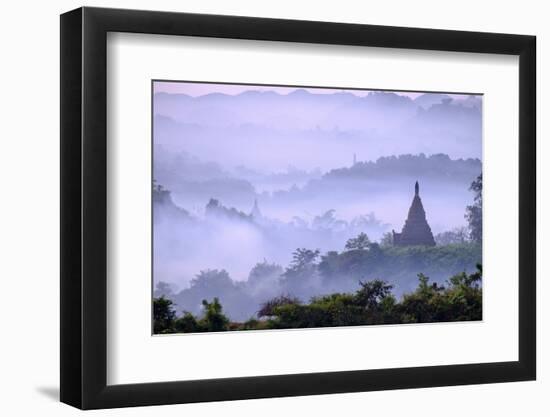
(256, 213)
(416, 230)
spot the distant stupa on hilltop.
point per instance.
(416, 231)
(256, 213)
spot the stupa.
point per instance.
(256, 213)
(417, 231)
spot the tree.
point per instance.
(267, 309)
(163, 315)
(458, 235)
(264, 271)
(212, 280)
(302, 272)
(327, 221)
(238, 302)
(466, 295)
(372, 293)
(160, 194)
(215, 209)
(163, 289)
(361, 242)
(386, 240)
(303, 259)
(474, 213)
(187, 324)
(461, 300)
(214, 320)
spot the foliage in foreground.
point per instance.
(373, 303)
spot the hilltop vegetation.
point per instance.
(399, 264)
(460, 299)
(311, 273)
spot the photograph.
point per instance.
(291, 207)
(272, 204)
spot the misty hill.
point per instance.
(383, 186)
(438, 167)
(241, 129)
(269, 109)
(455, 122)
(299, 109)
(164, 207)
(428, 100)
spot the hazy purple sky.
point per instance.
(196, 89)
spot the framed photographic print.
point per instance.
(257, 207)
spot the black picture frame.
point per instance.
(84, 207)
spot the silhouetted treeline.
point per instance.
(460, 299)
(439, 166)
(311, 273)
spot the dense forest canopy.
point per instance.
(460, 299)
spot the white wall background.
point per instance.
(29, 237)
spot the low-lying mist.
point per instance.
(263, 194)
(241, 253)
